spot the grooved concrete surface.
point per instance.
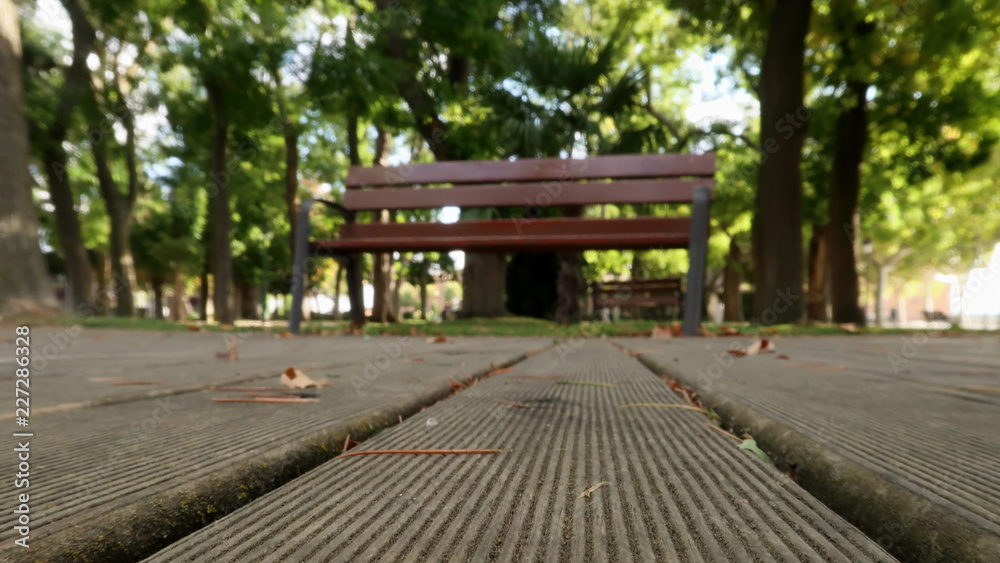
(120, 480)
(72, 369)
(675, 490)
(919, 415)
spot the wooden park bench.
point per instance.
(646, 293)
(528, 183)
(931, 316)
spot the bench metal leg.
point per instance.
(300, 266)
(697, 253)
(354, 290)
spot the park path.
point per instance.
(879, 442)
(671, 488)
(117, 472)
(900, 434)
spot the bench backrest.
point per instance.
(665, 285)
(651, 178)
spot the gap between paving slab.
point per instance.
(150, 511)
(673, 489)
(911, 526)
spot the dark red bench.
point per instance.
(664, 292)
(635, 179)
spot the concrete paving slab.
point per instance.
(896, 433)
(673, 488)
(118, 481)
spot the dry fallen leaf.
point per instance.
(194, 328)
(754, 348)
(231, 354)
(437, 339)
(226, 327)
(295, 379)
(736, 352)
(705, 332)
(783, 357)
(416, 360)
(849, 327)
(661, 331)
(284, 334)
(587, 493)
(766, 346)
(729, 331)
(413, 331)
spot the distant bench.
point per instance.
(930, 316)
(665, 292)
(620, 179)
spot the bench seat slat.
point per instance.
(536, 169)
(528, 194)
(637, 285)
(564, 234)
(635, 301)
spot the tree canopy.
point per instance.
(170, 145)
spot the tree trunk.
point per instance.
(423, 291)
(851, 136)
(732, 278)
(99, 303)
(203, 293)
(336, 292)
(382, 269)
(158, 299)
(352, 140)
(119, 205)
(382, 275)
(636, 272)
(291, 179)
(177, 308)
(67, 223)
(569, 287)
(569, 280)
(881, 281)
(483, 291)
(248, 300)
(25, 288)
(119, 210)
(68, 230)
(219, 202)
(777, 221)
(482, 295)
(817, 307)
(396, 285)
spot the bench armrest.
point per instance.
(346, 213)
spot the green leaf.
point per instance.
(751, 444)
